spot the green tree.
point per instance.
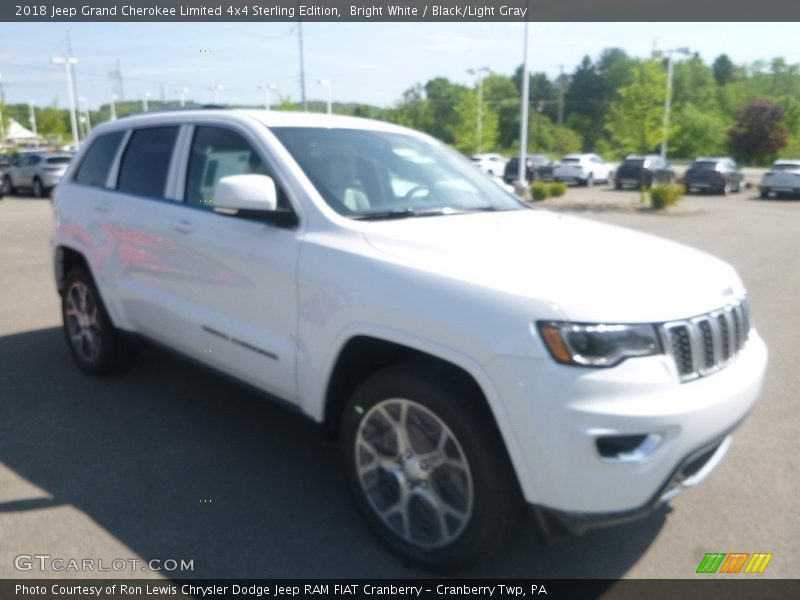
(584, 106)
(442, 97)
(412, 110)
(502, 97)
(466, 132)
(635, 120)
(699, 132)
(53, 122)
(758, 132)
(724, 69)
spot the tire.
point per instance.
(38, 189)
(589, 182)
(8, 187)
(399, 495)
(726, 189)
(741, 187)
(764, 195)
(93, 341)
(617, 184)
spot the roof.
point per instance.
(272, 118)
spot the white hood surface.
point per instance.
(589, 271)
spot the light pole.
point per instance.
(68, 61)
(480, 73)
(2, 126)
(32, 119)
(668, 99)
(182, 93)
(83, 103)
(113, 106)
(145, 96)
(216, 88)
(327, 84)
(267, 89)
(523, 121)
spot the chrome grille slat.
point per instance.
(707, 343)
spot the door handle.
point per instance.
(182, 226)
(103, 206)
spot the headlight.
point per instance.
(598, 345)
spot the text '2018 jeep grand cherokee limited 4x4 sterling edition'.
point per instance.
(471, 354)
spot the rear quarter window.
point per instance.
(94, 167)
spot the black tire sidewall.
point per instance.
(107, 359)
(497, 499)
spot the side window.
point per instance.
(145, 163)
(33, 160)
(215, 153)
(94, 167)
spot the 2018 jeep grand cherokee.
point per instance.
(472, 354)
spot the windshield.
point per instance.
(633, 162)
(570, 159)
(59, 160)
(706, 165)
(363, 174)
(786, 167)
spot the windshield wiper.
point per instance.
(404, 213)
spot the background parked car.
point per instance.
(490, 163)
(637, 170)
(36, 171)
(583, 169)
(783, 178)
(716, 175)
(535, 162)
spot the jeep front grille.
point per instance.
(707, 343)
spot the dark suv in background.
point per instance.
(535, 164)
(715, 175)
(636, 171)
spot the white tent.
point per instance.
(17, 133)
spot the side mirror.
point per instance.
(246, 193)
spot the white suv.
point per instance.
(583, 169)
(473, 355)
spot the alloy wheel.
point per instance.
(83, 325)
(414, 473)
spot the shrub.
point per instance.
(539, 190)
(662, 196)
(557, 189)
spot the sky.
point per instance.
(370, 62)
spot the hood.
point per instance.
(588, 271)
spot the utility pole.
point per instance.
(145, 96)
(561, 86)
(327, 84)
(32, 119)
(267, 89)
(216, 88)
(523, 121)
(302, 67)
(113, 107)
(479, 72)
(2, 103)
(182, 93)
(68, 61)
(668, 99)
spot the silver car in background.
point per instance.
(782, 179)
(38, 172)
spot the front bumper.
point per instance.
(558, 413)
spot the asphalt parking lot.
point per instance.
(168, 461)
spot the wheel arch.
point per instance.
(361, 355)
(66, 259)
